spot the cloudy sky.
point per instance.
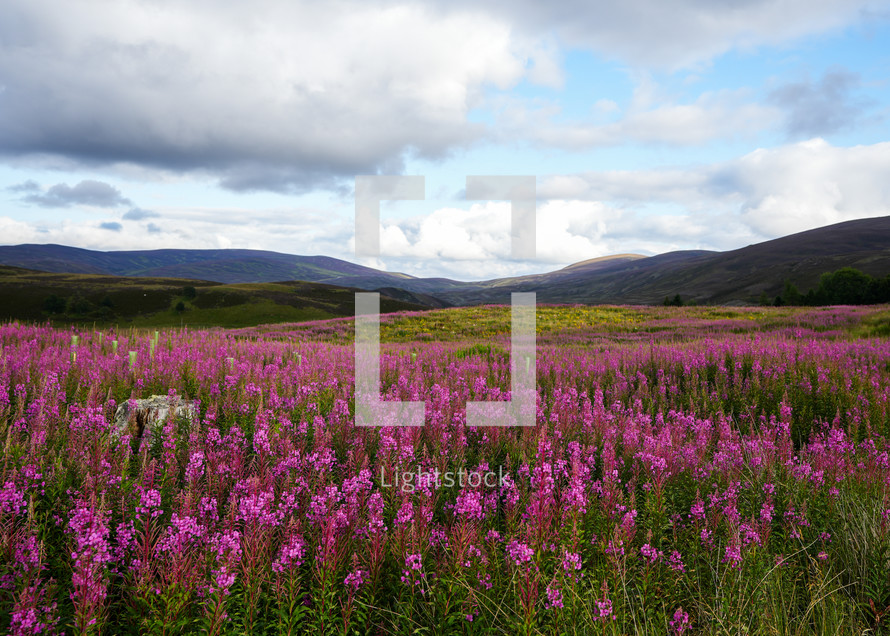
(650, 125)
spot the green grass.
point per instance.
(151, 302)
(241, 315)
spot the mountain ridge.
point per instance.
(736, 276)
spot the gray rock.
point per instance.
(147, 419)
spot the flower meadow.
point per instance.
(691, 471)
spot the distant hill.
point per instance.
(735, 277)
(158, 302)
(223, 266)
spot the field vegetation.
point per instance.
(695, 470)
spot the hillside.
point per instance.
(739, 276)
(155, 302)
(734, 277)
(223, 266)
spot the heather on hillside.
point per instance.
(692, 471)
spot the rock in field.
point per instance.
(147, 418)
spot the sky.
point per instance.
(649, 125)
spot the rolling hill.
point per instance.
(158, 302)
(733, 277)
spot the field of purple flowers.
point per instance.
(692, 471)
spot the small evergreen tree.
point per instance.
(54, 304)
(79, 305)
(790, 295)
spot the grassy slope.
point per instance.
(151, 302)
(735, 277)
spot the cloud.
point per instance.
(761, 195)
(679, 33)
(477, 239)
(712, 116)
(810, 184)
(290, 97)
(26, 186)
(88, 192)
(764, 194)
(276, 96)
(284, 230)
(138, 214)
(113, 226)
(819, 108)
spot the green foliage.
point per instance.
(78, 305)
(790, 294)
(846, 286)
(862, 544)
(55, 304)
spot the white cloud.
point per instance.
(712, 116)
(288, 231)
(810, 184)
(765, 194)
(679, 33)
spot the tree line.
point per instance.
(846, 286)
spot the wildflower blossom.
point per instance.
(680, 622)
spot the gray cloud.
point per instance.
(151, 228)
(138, 214)
(26, 186)
(137, 87)
(390, 81)
(820, 108)
(113, 226)
(88, 192)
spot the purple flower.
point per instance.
(195, 468)
(519, 553)
(291, 555)
(680, 622)
(12, 501)
(650, 554)
(355, 579)
(733, 555)
(414, 562)
(604, 609)
(675, 562)
(554, 597)
(571, 562)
